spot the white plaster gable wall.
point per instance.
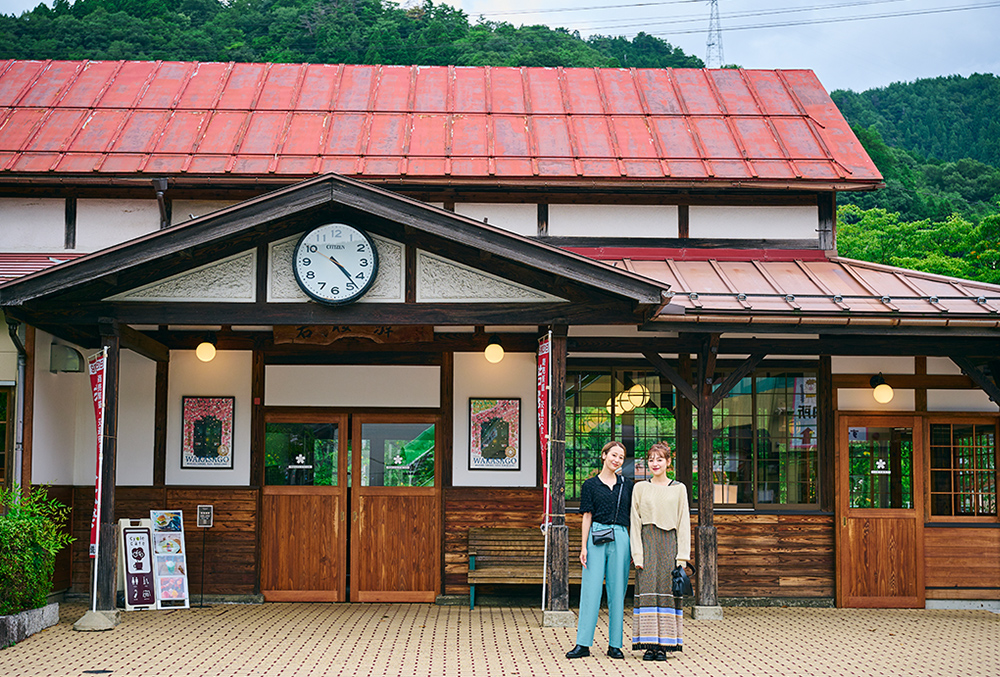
(513, 377)
(517, 218)
(229, 374)
(352, 386)
(103, 223)
(32, 224)
(185, 210)
(960, 400)
(60, 403)
(612, 221)
(797, 223)
(136, 420)
(229, 280)
(440, 279)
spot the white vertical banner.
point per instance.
(544, 441)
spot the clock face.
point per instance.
(335, 263)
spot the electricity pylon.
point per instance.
(714, 58)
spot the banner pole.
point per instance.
(99, 479)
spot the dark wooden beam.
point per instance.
(668, 372)
(160, 424)
(970, 369)
(826, 434)
(144, 345)
(735, 376)
(558, 530)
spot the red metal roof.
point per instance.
(17, 265)
(292, 121)
(822, 291)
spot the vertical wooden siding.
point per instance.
(230, 545)
(759, 555)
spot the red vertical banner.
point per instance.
(544, 385)
(96, 366)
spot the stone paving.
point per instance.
(412, 640)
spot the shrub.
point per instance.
(30, 536)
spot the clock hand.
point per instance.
(337, 263)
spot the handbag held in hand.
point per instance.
(681, 584)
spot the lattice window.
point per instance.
(963, 480)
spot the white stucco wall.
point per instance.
(136, 420)
(513, 377)
(185, 210)
(612, 221)
(32, 224)
(871, 365)
(517, 218)
(297, 385)
(753, 222)
(229, 374)
(63, 426)
(102, 223)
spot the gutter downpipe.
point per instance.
(22, 362)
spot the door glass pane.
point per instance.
(301, 454)
(397, 454)
(881, 467)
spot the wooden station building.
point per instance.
(675, 230)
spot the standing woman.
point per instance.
(605, 501)
(661, 540)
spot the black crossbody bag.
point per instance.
(602, 536)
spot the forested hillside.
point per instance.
(311, 31)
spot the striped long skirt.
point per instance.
(657, 617)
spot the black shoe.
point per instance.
(650, 655)
(578, 652)
(615, 652)
(661, 655)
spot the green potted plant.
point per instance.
(31, 534)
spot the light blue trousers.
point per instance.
(606, 564)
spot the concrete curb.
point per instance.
(18, 627)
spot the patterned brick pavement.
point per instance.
(411, 640)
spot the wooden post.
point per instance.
(684, 458)
(107, 569)
(558, 531)
(707, 595)
(825, 434)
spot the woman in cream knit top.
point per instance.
(665, 506)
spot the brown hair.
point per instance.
(661, 449)
(611, 445)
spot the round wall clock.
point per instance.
(335, 263)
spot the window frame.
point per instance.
(953, 420)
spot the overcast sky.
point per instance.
(901, 40)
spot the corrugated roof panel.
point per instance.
(638, 169)
(620, 93)
(85, 91)
(734, 92)
(940, 287)
(208, 164)
(346, 134)
(468, 136)
(339, 165)
(167, 164)
(388, 135)
(607, 168)
(551, 135)
(470, 167)
(382, 166)
(264, 133)
(633, 138)
(305, 134)
(429, 136)
(544, 91)
(393, 95)
(97, 133)
(167, 86)
(470, 90)
(141, 132)
(506, 91)
(431, 94)
(695, 91)
(797, 136)
(57, 130)
(128, 85)
(773, 169)
(319, 87)
(243, 86)
(356, 87)
(687, 169)
(182, 131)
(122, 163)
(224, 132)
(583, 92)
(818, 169)
(592, 136)
(731, 169)
(510, 137)
(35, 162)
(554, 168)
(251, 164)
(205, 86)
(281, 87)
(772, 93)
(514, 167)
(55, 78)
(658, 91)
(15, 78)
(426, 166)
(296, 165)
(715, 138)
(17, 126)
(675, 138)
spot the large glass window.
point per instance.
(300, 454)
(633, 406)
(881, 467)
(963, 470)
(397, 454)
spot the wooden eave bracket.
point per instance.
(978, 377)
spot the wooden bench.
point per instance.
(503, 556)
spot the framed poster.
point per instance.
(207, 433)
(494, 434)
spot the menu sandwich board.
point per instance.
(169, 559)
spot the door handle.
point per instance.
(343, 516)
(845, 520)
(355, 516)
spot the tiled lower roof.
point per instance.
(15, 265)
